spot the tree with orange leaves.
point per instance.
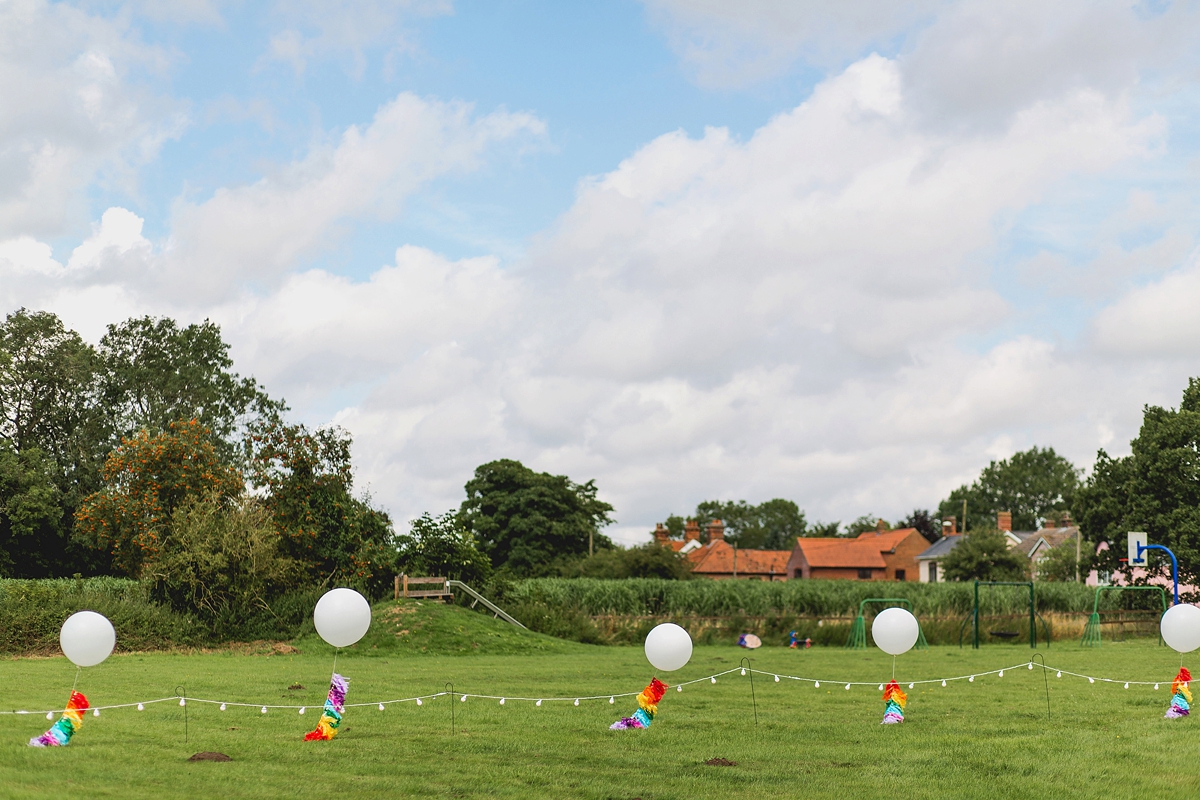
(145, 480)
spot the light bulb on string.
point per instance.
(1001, 673)
(301, 709)
(223, 708)
(713, 679)
(816, 684)
(141, 707)
(1059, 675)
(847, 687)
(419, 701)
(264, 709)
(49, 715)
(182, 702)
(1126, 685)
(777, 679)
(381, 706)
(463, 699)
(576, 701)
(1156, 687)
(501, 701)
(971, 679)
(612, 700)
(679, 688)
(881, 687)
(538, 703)
(943, 683)
(1091, 680)
(910, 686)
(743, 672)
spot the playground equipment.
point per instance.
(1091, 631)
(1138, 545)
(973, 618)
(858, 631)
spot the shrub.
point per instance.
(442, 547)
(222, 564)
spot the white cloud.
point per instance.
(734, 44)
(809, 312)
(1158, 319)
(275, 224)
(70, 117)
(316, 29)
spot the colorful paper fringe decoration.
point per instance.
(896, 699)
(61, 732)
(1181, 696)
(647, 707)
(331, 716)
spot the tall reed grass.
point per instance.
(812, 598)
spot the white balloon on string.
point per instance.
(87, 638)
(342, 617)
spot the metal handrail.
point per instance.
(495, 609)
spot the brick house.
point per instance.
(719, 560)
(879, 555)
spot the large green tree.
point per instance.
(155, 372)
(441, 547)
(1156, 489)
(527, 520)
(339, 538)
(1033, 485)
(772, 525)
(984, 554)
(32, 540)
(54, 430)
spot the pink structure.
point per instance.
(1120, 578)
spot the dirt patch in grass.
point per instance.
(720, 762)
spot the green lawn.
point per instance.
(989, 738)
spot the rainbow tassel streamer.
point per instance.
(896, 699)
(1181, 696)
(60, 733)
(647, 707)
(331, 716)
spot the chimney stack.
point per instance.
(1004, 521)
(661, 534)
(691, 531)
(716, 531)
(949, 527)
(880, 527)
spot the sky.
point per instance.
(844, 254)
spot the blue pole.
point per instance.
(1174, 564)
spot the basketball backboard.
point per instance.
(1137, 538)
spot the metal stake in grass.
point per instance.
(449, 687)
(181, 693)
(1046, 680)
(745, 662)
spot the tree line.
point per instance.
(148, 456)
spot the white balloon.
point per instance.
(342, 616)
(668, 647)
(1180, 627)
(87, 638)
(895, 631)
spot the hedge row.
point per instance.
(812, 598)
(31, 613)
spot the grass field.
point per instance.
(989, 738)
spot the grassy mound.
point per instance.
(418, 627)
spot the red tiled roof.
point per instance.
(845, 553)
(717, 558)
(888, 540)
